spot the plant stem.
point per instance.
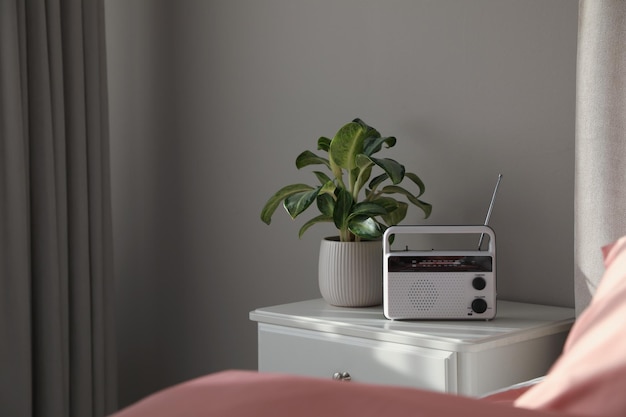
(346, 236)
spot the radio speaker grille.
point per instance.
(423, 294)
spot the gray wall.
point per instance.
(211, 101)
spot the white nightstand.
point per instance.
(464, 357)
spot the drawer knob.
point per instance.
(342, 376)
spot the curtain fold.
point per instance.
(600, 183)
(57, 345)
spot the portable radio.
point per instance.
(439, 284)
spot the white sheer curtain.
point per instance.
(57, 348)
(600, 211)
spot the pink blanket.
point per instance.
(247, 393)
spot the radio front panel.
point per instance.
(439, 292)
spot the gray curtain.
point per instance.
(57, 347)
(600, 210)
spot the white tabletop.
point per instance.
(514, 322)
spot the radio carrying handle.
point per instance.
(462, 229)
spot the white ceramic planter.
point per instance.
(351, 273)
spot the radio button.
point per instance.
(479, 283)
(479, 305)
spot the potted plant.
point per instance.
(361, 209)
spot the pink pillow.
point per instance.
(589, 378)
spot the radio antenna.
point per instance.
(493, 200)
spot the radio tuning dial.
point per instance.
(479, 283)
(479, 305)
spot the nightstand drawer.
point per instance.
(322, 354)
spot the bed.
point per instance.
(588, 379)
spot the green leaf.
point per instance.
(323, 144)
(361, 122)
(427, 208)
(363, 176)
(377, 180)
(363, 161)
(389, 204)
(326, 204)
(365, 227)
(322, 177)
(346, 145)
(309, 158)
(396, 216)
(297, 203)
(271, 205)
(329, 188)
(368, 208)
(315, 220)
(394, 189)
(364, 169)
(370, 132)
(371, 145)
(417, 180)
(343, 206)
(392, 168)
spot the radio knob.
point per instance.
(479, 305)
(479, 283)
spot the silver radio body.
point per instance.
(450, 285)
